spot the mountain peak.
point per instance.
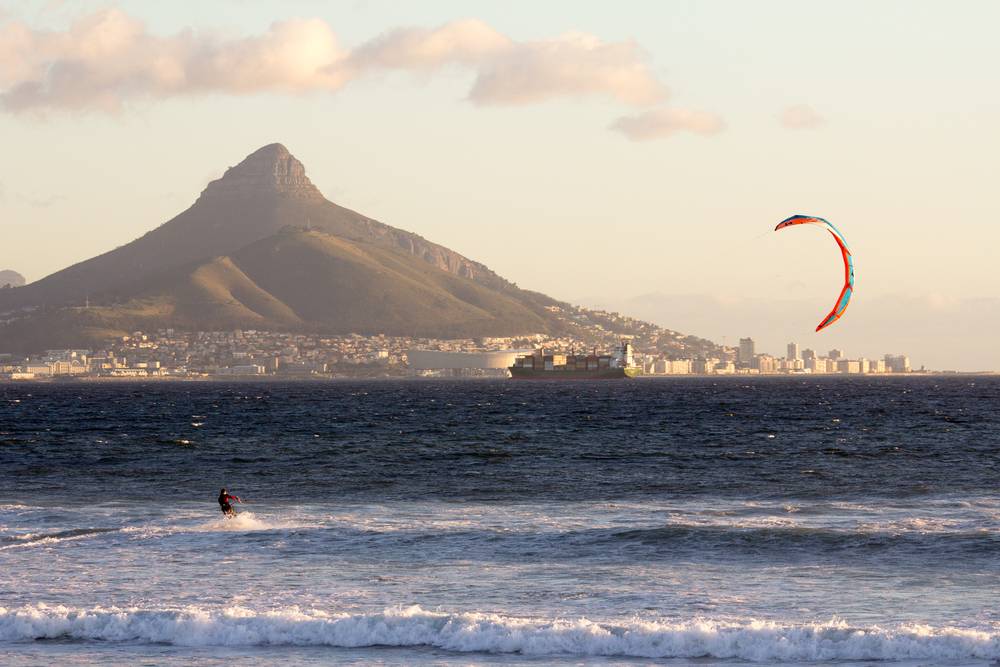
(271, 169)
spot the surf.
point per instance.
(38, 539)
(478, 632)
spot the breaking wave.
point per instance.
(244, 521)
(761, 641)
(37, 539)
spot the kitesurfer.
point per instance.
(224, 499)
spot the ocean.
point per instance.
(679, 521)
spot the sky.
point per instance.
(631, 155)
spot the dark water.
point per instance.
(766, 438)
(776, 520)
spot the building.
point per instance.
(808, 354)
(835, 354)
(747, 351)
(818, 365)
(849, 366)
(793, 352)
(725, 368)
(897, 363)
(791, 365)
(243, 369)
(37, 368)
(436, 360)
(765, 363)
(704, 366)
(680, 367)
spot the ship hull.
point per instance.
(602, 374)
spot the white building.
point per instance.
(434, 360)
(897, 363)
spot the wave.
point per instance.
(38, 539)
(244, 522)
(754, 640)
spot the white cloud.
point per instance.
(467, 42)
(800, 117)
(575, 64)
(108, 59)
(660, 123)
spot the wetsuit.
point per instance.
(227, 509)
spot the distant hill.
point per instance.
(10, 278)
(262, 248)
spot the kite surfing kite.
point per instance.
(845, 294)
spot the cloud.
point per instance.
(109, 59)
(800, 117)
(660, 123)
(468, 42)
(571, 65)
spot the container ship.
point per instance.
(542, 366)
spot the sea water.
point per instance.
(686, 521)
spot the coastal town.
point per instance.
(176, 354)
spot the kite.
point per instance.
(845, 294)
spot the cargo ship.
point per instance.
(542, 366)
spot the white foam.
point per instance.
(748, 639)
(244, 522)
(48, 539)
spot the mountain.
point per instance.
(262, 248)
(10, 278)
(312, 280)
(264, 193)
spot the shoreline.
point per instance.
(222, 379)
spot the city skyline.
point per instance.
(177, 354)
(693, 151)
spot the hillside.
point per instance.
(312, 280)
(262, 248)
(264, 193)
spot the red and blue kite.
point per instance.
(845, 294)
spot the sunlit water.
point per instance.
(687, 522)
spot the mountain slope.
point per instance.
(253, 200)
(262, 248)
(311, 280)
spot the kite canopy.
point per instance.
(848, 290)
